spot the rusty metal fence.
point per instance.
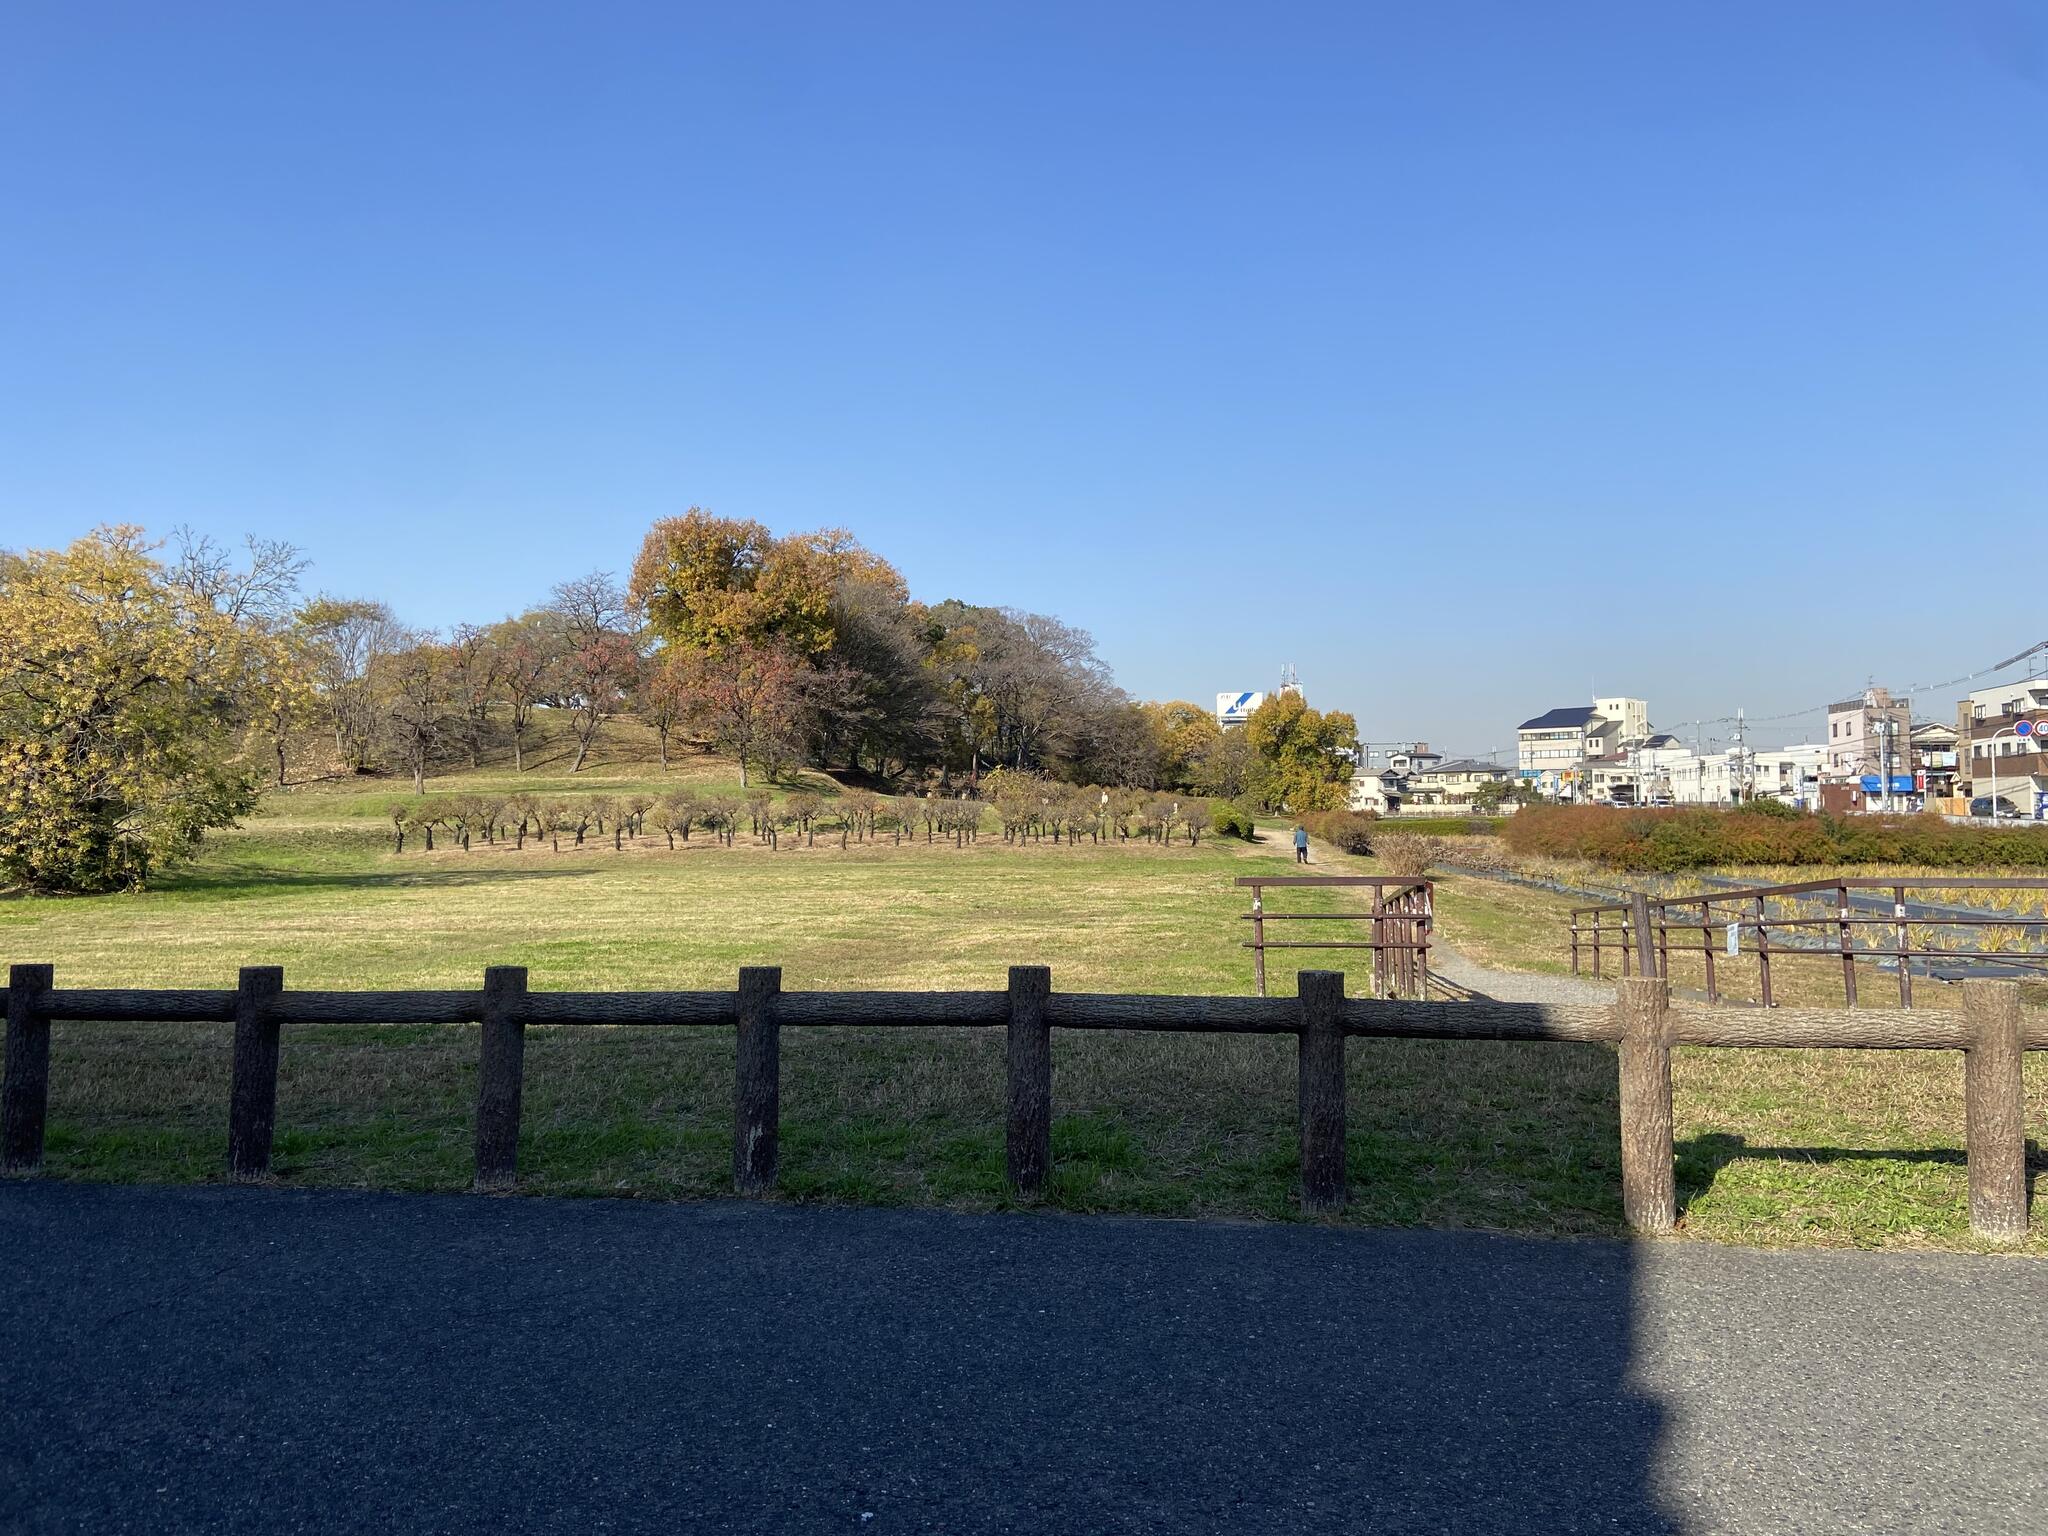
(1402, 915)
(1863, 921)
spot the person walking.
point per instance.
(1300, 843)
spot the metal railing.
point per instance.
(1771, 919)
(1402, 914)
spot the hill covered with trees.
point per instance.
(150, 692)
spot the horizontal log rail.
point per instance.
(1992, 1031)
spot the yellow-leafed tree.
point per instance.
(127, 699)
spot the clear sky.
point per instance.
(1470, 357)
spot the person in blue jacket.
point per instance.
(1300, 843)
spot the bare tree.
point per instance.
(750, 700)
(663, 699)
(601, 658)
(348, 639)
(261, 588)
(473, 665)
(592, 605)
(410, 686)
(529, 658)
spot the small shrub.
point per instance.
(1407, 853)
(1230, 820)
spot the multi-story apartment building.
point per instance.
(1870, 734)
(1630, 717)
(1993, 755)
(1552, 747)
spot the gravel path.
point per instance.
(1514, 986)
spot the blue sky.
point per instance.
(1470, 357)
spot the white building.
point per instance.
(1790, 774)
(1380, 793)
(1683, 777)
(1553, 747)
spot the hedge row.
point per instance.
(1699, 837)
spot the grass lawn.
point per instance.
(1815, 1148)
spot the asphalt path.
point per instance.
(215, 1359)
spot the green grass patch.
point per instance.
(1815, 1148)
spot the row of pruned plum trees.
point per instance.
(1032, 807)
(1025, 807)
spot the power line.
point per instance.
(1911, 693)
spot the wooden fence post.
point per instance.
(25, 1099)
(1993, 1109)
(252, 1107)
(757, 1083)
(500, 1072)
(1649, 1178)
(1028, 1138)
(1320, 1062)
(1645, 941)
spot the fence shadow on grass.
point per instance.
(1701, 1158)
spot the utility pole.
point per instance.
(1735, 786)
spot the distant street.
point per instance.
(261, 1361)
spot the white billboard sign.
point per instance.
(1236, 708)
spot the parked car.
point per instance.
(2004, 811)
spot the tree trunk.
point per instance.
(518, 757)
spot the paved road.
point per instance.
(247, 1360)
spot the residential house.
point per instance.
(1455, 783)
(1412, 760)
(1934, 758)
(1381, 793)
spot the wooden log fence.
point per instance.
(1992, 1032)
